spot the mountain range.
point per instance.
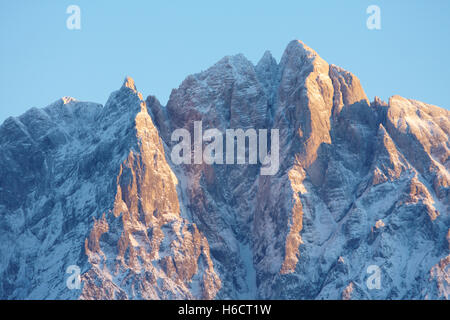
(360, 184)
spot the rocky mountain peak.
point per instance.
(300, 49)
(67, 100)
(266, 60)
(298, 55)
(129, 83)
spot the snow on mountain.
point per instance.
(360, 184)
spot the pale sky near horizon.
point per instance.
(160, 43)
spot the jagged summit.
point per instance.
(129, 83)
(301, 46)
(297, 49)
(267, 58)
(237, 63)
(377, 101)
(67, 100)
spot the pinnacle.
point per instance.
(129, 83)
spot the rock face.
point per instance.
(360, 184)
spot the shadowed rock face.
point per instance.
(150, 251)
(359, 184)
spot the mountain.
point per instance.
(360, 185)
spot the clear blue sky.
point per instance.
(159, 43)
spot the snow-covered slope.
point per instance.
(360, 184)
